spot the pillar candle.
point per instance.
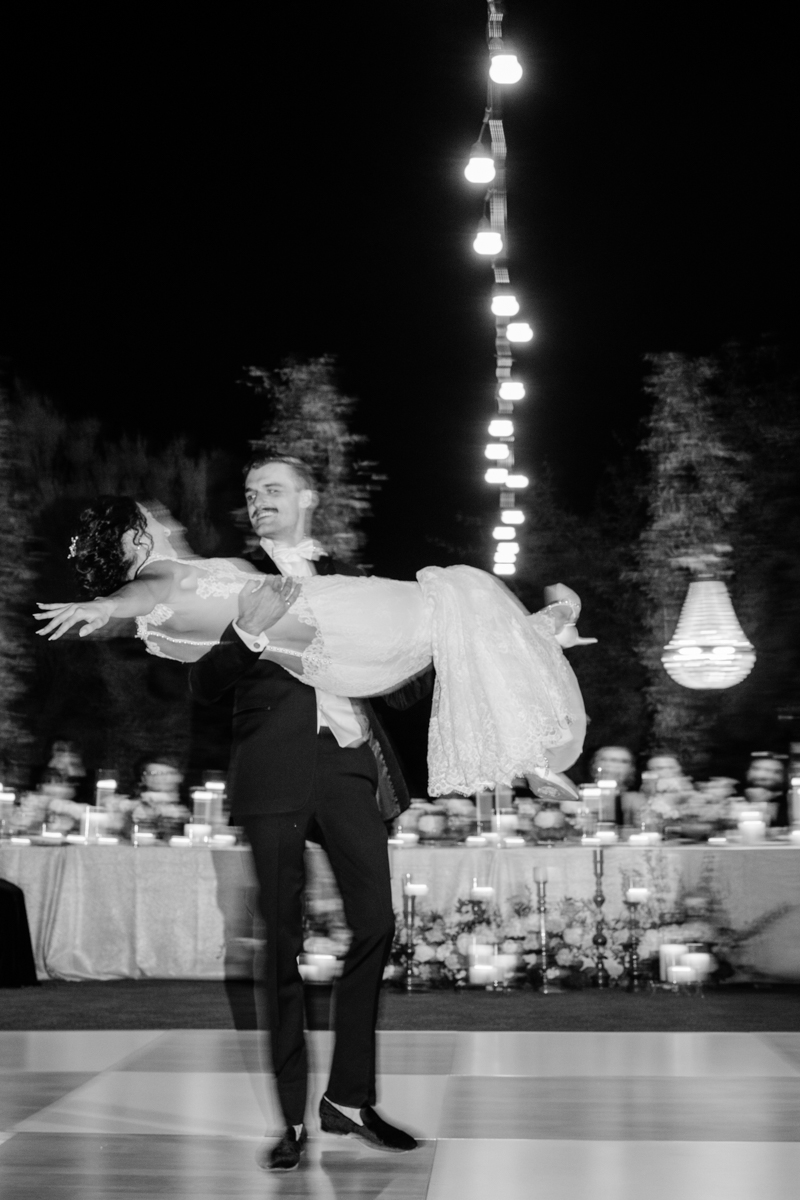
(540, 874)
(669, 955)
(415, 889)
(636, 895)
(681, 974)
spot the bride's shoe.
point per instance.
(552, 786)
(564, 606)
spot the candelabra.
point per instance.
(599, 941)
(411, 980)
(545, 986)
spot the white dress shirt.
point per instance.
(333, 712)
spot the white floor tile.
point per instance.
(74, 1050)
(118, 1102)
(519, 1170)
(608, 1054)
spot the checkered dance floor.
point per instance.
(503, 1115)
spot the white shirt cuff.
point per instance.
(254, 641)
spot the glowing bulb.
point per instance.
(519, 331)
(516, 482)
(511, 389)
(496, 450)
(505, 304)
(488, 240)
(504, 569)
(501, 534)
(501, 428)
(512, 516)
(505, 67)
(480, 168)
(505, 552)
(496, 475)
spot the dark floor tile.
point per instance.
(24, 1093)
(626, 1109)
(94, 1167)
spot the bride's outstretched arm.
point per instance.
(135, 599)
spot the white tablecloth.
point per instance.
(111, 912)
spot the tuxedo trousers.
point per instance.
(340, 813)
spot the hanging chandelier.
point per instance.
(709, 648)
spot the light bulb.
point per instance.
(496, 475)
(519, 331)
(505, 552)
(504, 569)
(511, 389)
(501, 428)
(505, 66)
(480, 168)
(505, 304)
(512, 516)
(496, 450)
(516, 482)
(488, 240)
(502, 534)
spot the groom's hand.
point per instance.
(262, 602)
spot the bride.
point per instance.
(506, 701)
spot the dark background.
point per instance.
(191, 189)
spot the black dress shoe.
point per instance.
(375, 1132)
(285, 1154)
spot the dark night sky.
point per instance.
(190, 189)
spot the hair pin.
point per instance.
(73, 547)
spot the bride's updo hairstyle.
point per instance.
(98, 555)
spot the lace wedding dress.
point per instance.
(506, 702)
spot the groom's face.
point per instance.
(276, 502)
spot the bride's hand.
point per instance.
(262, 602)
(61, 617)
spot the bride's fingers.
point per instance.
(49, 608)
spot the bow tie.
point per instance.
(307, 548)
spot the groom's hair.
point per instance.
(300, 469)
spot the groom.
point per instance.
(307, 764)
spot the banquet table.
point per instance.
(111, 912)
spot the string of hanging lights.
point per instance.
(487, 165)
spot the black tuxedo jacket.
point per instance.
(274, 746)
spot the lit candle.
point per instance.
(197, 832)
(415, 889)
(180, 842)
(794, 837)
(753, 829)
(505, 965)
(717, 841)
(681, 974)
(475, 839)
(669, 955)
(639, 839)
(492, 837)
(700, 963)
(540, 874)
(636, 895)
(479, 951)
(590, 841)
(482, 974)
(606, 836)
(408, 837)
(514, 840)
(480, 892)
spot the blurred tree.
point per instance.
(722, 444)
(593, 553)
(307, 417)
(108, 694)
(15, 579)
